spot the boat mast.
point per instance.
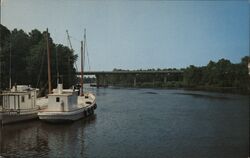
(1, 11)
(82, 60)
(81, 89)
(10, 65)
(48, 55)
(57, 69)
(69, 71)
(0, 46)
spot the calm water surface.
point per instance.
(141, 123)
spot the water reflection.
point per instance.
(40, 139)
(141, 124)
(204, 96)
(149, 93)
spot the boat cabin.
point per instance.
(62, 99)
(19, 98)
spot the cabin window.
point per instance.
(29, 96)
(57, 99)
(22, 98)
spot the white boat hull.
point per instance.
(67, 116)
(8, 118)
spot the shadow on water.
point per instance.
(40, 139)
(149, 93)
(204, 96)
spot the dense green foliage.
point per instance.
(26, 54)
(143, 80)
(221, 75)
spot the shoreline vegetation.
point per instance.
(221, 76)
(23, 58)
(233, 90)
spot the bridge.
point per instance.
(104, 74)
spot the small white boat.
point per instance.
(18, 104)
(64, 105)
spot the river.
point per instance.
(141, 123)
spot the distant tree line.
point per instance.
(23, 56)
(222, 75)
(145, 80)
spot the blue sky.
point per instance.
(140, 34)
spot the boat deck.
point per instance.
(42, 102)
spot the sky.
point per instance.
(137, 34)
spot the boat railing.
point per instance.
(10, 111)
(89, 95)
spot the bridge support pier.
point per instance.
(135, 81)
(165, 79)
(104, 81)
(97, 81)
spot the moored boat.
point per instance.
(64, 105)
(18, 104)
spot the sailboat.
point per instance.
(65, 105)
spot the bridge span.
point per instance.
(104, 74)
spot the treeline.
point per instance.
(23, 57)
(219, 76)
(222, 75)
(142, 80)
(147, 80)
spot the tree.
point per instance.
(28, 59)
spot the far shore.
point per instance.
(232, 90)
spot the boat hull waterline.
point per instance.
(14, 118)
(67, 116)
(18, 104)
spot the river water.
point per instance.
(141, 123)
